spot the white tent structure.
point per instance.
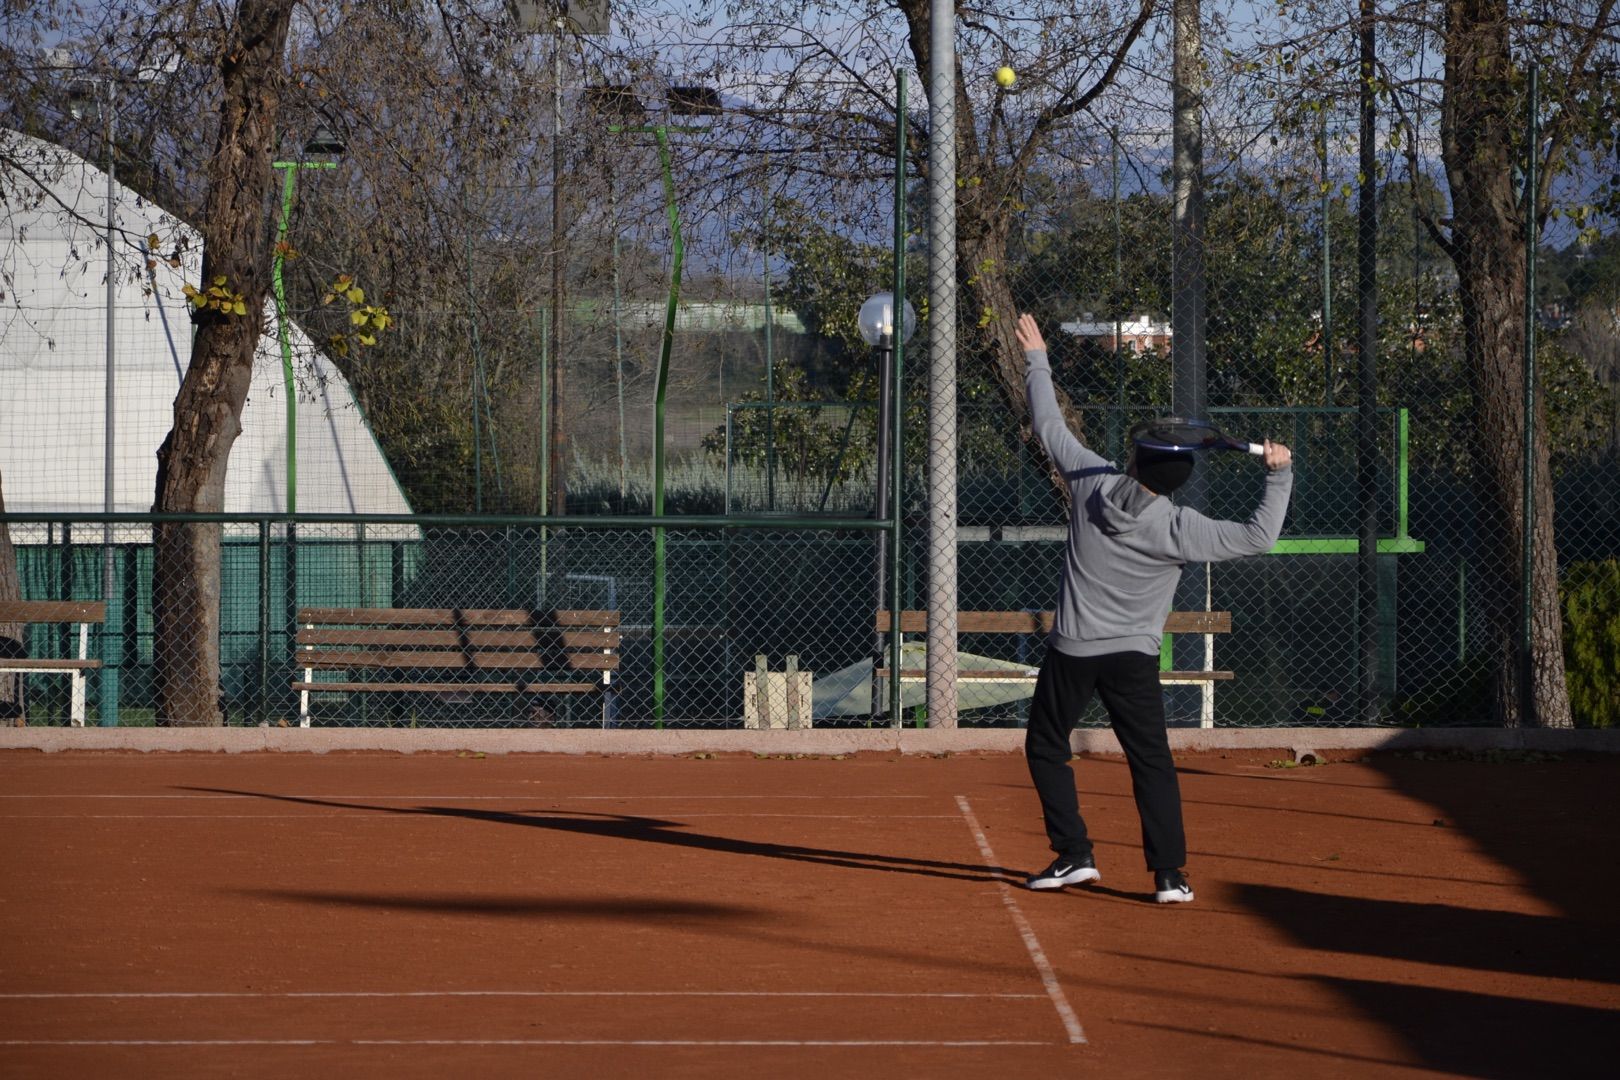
(53, 360)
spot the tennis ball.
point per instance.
(1005, 76)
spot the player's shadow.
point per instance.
(657, 831)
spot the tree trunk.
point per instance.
(11, 634)
(1479, 125)
(985, 194)
(208, 408)
(991, 314)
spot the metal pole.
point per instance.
(289, 170)
(880, 504)
(108, 711)
(264, 621)
(618, 339)
(1327, 272)
(1367, 376)
(677, 257)
(943, 701)
(1527, 516)
(1188, 376)
(770, 392)
(1116, 421)
(559, 438)
(289, 179)
(898, 393)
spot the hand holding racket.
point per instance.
(1177, 434)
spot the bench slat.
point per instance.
(1026, 676)
(447, 688)
(56, 665)
(1040, 622)
(327, 659)
(434, 618)
(543, 637)
(48, 611)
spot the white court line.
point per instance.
(1054, 989)
(526, 1042)
(527, 797)
(145, 994)
(371, 815)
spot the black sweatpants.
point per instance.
(1128, 683)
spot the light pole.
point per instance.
(323, 143)
(681, 101)
(877, 320)
(82, 103)
(584, 18)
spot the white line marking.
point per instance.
(49, 996)
(371, 815)
(1054, 989)
(525, 1042)
(528, 797)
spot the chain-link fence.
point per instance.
(740, 393)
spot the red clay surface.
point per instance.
(359, 915)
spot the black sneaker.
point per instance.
(1170, 887)
(1065, 871)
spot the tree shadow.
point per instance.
(1552, 824)
(1456, 937)
(594, 908)
(652, 830)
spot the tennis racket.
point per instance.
(1179, 434)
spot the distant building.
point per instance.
(1139, 333)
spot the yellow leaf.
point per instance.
(356, 295)
(239, 308)
(221, 279)
(365, 339)
(152, 242)
(357, 318)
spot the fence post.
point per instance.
(942, 594)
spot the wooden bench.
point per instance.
(1039, 623)
(457, 651)
(83, 613)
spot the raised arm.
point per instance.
(1066, 451)
(1203, 539)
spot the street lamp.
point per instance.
(322, 143)
(679, 101)
(583, 18)
(94, 97)
(877, 321)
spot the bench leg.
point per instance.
(1206, 708)
(303, 699)
(78, 699)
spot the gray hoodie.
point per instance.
(1126, 544)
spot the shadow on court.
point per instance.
(522, 907)
(649, 830)
(1553, 824)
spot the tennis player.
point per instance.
(1127, 544)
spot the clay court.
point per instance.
(391, 915)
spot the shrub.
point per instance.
(1591, 598)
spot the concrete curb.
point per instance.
(1302, 743)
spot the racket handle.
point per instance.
(1257, 450)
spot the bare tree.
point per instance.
(815, 91)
